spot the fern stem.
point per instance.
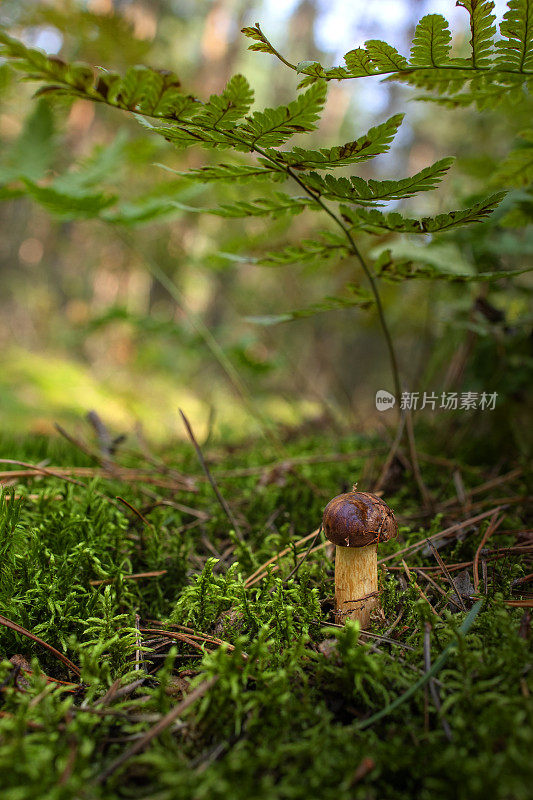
(366, 269)
(383, 322)
(379, 305)
(409, 69)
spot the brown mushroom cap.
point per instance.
(357, 519)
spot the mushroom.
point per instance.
(356, 522)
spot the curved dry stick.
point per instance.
(19, 629)
(208, 475)
(134, 577)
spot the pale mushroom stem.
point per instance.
(356, 583)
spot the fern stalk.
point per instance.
(373, 285)
(315, 70)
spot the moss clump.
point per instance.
(282, 719)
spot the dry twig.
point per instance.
(19, 629)
(210, 478)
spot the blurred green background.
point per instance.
(138, 317)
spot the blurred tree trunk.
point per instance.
(221, 43)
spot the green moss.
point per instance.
(281, 721)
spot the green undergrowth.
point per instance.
(283, 719)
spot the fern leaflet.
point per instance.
(223, 111)
(376, 141)
(265, 206)
(515, 50)
(273, 126)
(357, 297)
(483, 30)
(431, 42)
(328, 246)
(261, 43)
(384, 57)
(362, 192)
(375, 221)
(359, 63)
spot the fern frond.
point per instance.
(377, 222)
(399, 270)
(229, 172)
(377, 140)
(329, 245)
(362, 192)
(273, 126)
(187, 135)
(481, 79)
(483, 30)
(515, 49)
(274, 206)
(357, 297)
(431, 42)
(69, 206)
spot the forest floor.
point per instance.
(158, 642)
